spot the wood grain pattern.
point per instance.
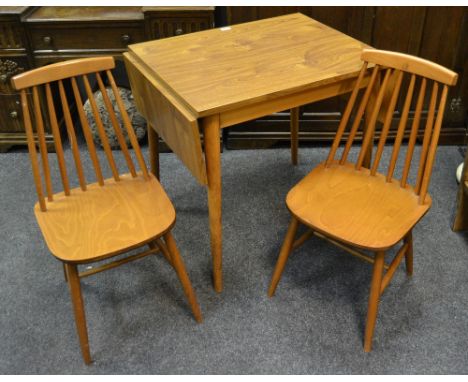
(103, 221)
(354, 207)
(250, 62)
(172, 121)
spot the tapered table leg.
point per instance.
(294, 134)
(211, 130)
(153, 146)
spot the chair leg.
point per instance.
(164, 251)
(183, 277)
(374, 297)
(409, 253)
(80, 319)
(65, 272)
(283, 256)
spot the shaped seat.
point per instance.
(104, 221)
(351, 206)
(100, 220)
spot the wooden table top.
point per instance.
(225, 68)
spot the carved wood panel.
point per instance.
(169, 27)
(11, 36)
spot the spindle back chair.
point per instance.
(99, 220)
(355, 207)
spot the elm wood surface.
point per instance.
(100, 220)
(225, 76)
(105, 220)
(256, 57)
(176, 125)
(354, 206)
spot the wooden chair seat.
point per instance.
(353, 207)
(104, 221)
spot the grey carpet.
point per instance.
(139, 321)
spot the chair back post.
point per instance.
(36, 80)
(396, 66)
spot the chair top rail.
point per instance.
(62, 70)
(411, 64)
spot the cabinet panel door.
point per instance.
(73, 37)
(10, 108)
(176, 26)
(10, 114)
(11, 36)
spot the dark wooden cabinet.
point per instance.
(167, 22)
(36, 36)
(439, 34)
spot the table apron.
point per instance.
(269, 106)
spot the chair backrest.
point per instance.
(395, 66)
(37, 82)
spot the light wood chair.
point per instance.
(359, 208)
(104, 219)
(460, 222)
